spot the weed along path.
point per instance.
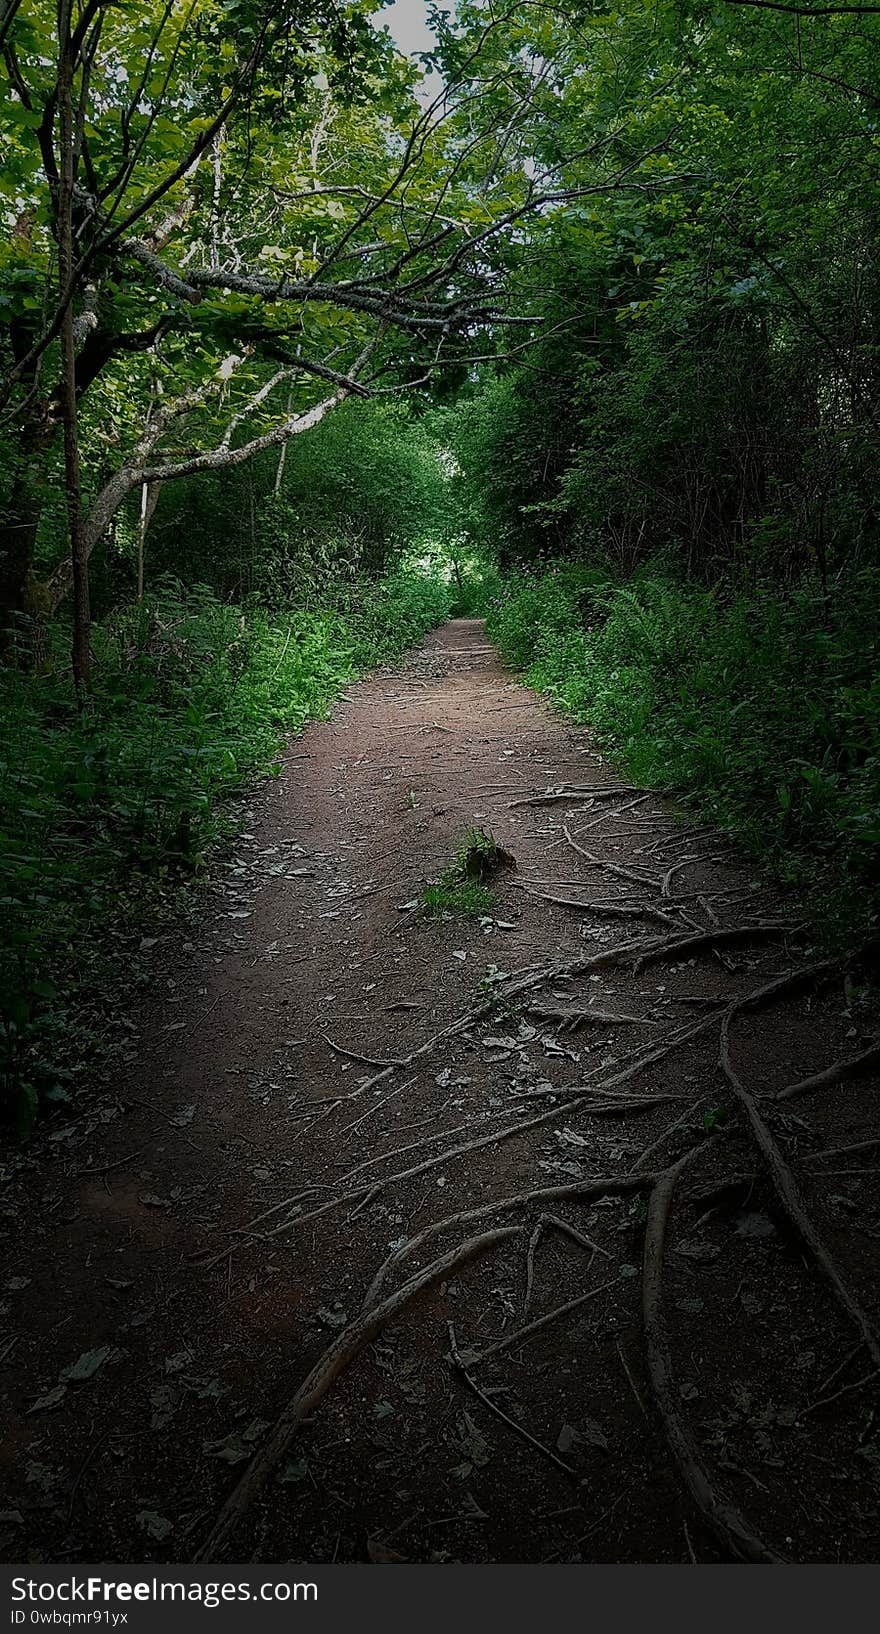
(545, 1234)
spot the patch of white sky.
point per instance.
(407, 23)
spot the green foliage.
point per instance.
(356, 493)
(763, 709)
(705, 382)
(105, 812)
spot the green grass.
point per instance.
(760, 708)
(449, 894)
(462, 887)
(108, 814)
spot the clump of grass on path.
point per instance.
(462, 887)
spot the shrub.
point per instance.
(762, 708)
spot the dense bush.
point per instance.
(763, 709)
(104, 811)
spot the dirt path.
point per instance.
(197, 1236)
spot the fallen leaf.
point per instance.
(294, 1470)
(86, 1365)
(698, 1250)
(53, 1399)
(380, 1555)
(164, 1400)
(238, 1445)
(755, 1225)
(331, 1317)
(156, 1526)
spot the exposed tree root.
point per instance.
(495, 1137)
(726, 1522)
(577, 1191)
(615, 868)
(509, 1341)
(842, 1151)
(328, 1367)
(787, 1190)
(601, 791)
(365, 1060)
(605, 910)
(375, 1313)
(686, 862)
(571, 1019)
(853, 1067)
(552, 1221)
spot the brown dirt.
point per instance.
(230, 1100)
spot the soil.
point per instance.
(208, 1221)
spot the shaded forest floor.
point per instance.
(180, 1254)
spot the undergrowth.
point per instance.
(105, 814)
(761, 708)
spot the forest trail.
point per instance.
(181, 1253)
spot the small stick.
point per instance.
(120, 1163)
(511, 1423)
(845, 1390)
(522, 1334)
(630, 1380)
(842, 1151)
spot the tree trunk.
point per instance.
(79, 555)
(149, 498)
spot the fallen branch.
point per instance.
(335, 1359)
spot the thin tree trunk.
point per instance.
(79, 556)
(149, 498)
(282, 457)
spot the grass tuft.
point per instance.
(449, 894)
